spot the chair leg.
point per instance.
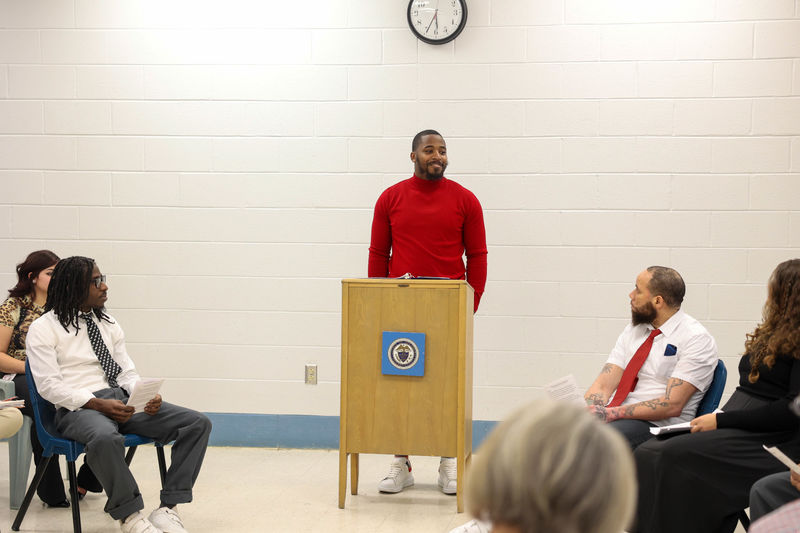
(37, 478)
(744, 519)
(129, 455)
(162, 463)
(73, 491)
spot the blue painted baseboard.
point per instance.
(294, 431)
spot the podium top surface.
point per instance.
(394, 282)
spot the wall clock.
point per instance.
(437, 21)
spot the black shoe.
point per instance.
(87, 479)
(62, 504)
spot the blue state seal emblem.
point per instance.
(403, 353)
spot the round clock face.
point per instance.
(437, 21)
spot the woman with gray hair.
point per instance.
(552, 467)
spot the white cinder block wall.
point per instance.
(220, 160)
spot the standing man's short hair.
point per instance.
(667, 283)
(418, 138)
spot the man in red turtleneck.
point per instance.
(424, 226)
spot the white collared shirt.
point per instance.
(64, 364)
(694, 360)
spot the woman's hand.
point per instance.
(795, 479)
(704, 423)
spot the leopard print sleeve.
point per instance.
(9, 313)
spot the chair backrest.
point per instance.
(45, 417)
(714, 393)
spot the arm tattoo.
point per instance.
(654, 404)
(594, 399)
(600, 412)
(674, 383)
(607, 368)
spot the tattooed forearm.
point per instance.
(594, 399)
(654, 404)
(673, 383)
(599, 411)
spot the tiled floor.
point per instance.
(268, 490)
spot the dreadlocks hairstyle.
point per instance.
(779, 331)
(69, 287)
(29, 269)
(418, 138)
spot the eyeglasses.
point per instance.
(98, 280)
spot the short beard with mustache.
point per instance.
(644, 316)
(438, 175)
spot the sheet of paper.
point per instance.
(12, 403)
(144, 391)
(674, 428)
(782, 457)
(565, 389)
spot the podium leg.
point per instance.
(342, 477)
(460, 481)
(354, 473)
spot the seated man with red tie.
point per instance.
(662, 364)
(80, 364)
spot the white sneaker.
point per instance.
(399, 476)
(137, 523)
(473, 526)
(448, 475)
(167, 520)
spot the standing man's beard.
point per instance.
(643, 316)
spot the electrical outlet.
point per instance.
(311, 374)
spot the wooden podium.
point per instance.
(387, 414)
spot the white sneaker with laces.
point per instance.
(448, 475)
(399, 476)
(137, 523)
(167, 520)
(473, 526)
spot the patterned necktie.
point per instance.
(110, 367)
(628, 381)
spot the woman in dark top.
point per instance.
(698, 482)
(25, 304)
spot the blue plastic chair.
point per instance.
(19, 453)
(714, 393)
(54, 444)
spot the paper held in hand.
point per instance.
(12, 403)
(144, 391)
(782, 457)
(675, 428)
(565, 389)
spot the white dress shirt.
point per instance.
(694, 360)
(64, 364)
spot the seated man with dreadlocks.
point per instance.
(79, 362)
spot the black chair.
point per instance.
(54, 444)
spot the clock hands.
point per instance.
(434, 19)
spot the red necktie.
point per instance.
(628, 381)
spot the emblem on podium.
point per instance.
(403, 353)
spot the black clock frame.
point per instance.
(447, 39)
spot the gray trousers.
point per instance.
(635, 431)
(105, 452)
(771, 492)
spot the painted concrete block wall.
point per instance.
(220, 160)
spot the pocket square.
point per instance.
(670, 350)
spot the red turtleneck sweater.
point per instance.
(424, 228)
